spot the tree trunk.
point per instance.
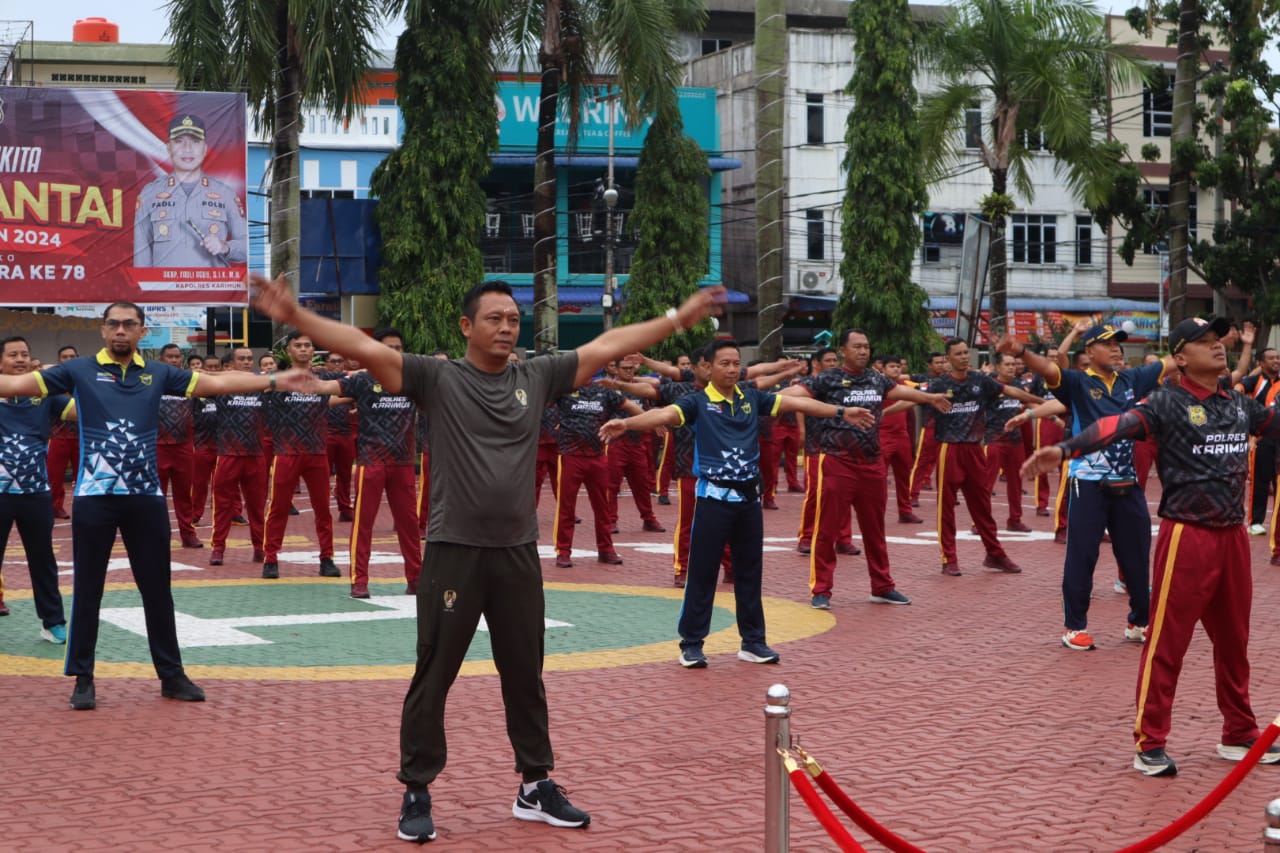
(998, 259)
(285, 197)
(771, 82)
(1183, 132)
(546, 300)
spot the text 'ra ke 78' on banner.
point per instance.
(122, 195)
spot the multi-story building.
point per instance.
(1061, 264)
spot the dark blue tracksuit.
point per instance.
(1095, 506)
(726, 440)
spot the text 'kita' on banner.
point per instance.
(130, 195)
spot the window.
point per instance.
(932, 253)
(712, 45)
(816, 132)
(1157, 107)
(1084, 241)
(1035, 237)
(973, 127)
(815, 221)
(327, 193)
(1159, 200)
(1032, 140)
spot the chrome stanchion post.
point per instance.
(1271, 835)
(777, 790)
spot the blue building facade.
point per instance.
(338, 160)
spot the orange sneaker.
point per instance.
(1079, 641)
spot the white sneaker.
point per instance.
(1120, 587)
(1136, 633)
(1257, 530)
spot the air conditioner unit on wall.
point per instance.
(815, 280)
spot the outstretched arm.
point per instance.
(667, 416)
(624, 340)
(239, 382)
(1036, 363)
(647, 390)
(276, 300)
(1247, 336)
(1100, 433)
(660, 367)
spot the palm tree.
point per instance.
(1038, 67)
(284, 55)
(574, 40)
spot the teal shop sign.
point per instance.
(518, 120)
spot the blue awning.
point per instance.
(1099, 305)
(591, 296)
(596, 161)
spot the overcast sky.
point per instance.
(145, 21)
(141, 21)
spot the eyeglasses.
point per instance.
(128, 325)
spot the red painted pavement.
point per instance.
(959, 722)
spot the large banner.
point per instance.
(122, 195)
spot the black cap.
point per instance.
(1195, 328)
(1104, 333)
(186, 125)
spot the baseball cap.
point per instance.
(1194, 328)
(186, 125)
(1104, 333)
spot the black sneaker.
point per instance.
(83, 698)
(181, 688)
(271, 570)
(415, 818)
(293, 510)
(548, 804)
(693, 658)
(1237, 751)
(757, 653)
(1154, 762)
(329, 569)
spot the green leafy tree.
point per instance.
(671, 218)
(885, 193)
(573, 40)
(1036, 68)
(431, 205)
(1245, 166)
(285, 55)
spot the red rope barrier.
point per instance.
(864, 821)
(838, 833)
(1216, 796)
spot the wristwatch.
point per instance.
(839, 413)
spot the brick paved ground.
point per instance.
(958, 721)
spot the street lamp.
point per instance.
(606, 298)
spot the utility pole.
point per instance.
(1182, 131)
(771, 90)
(610, 234)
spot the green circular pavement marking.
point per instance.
(312, 629)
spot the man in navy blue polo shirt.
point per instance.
(24, 488)
(117, 396)
(725, 419)
(1104, 491)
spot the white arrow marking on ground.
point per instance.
(116, 564)
(196, 632)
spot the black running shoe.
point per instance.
(1154, 762)
(181, 688)
(83, 698)
(415, 818)
(329, 569)
(271, 570)
(548, 804)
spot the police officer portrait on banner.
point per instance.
(188, 218)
